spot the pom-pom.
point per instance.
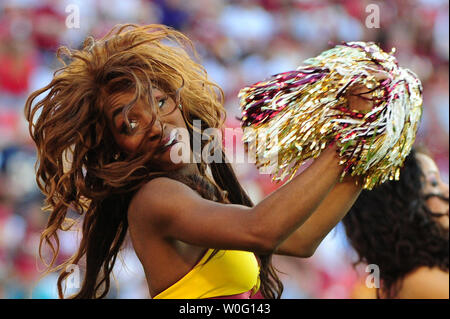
(301, 112)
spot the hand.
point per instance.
(360, 97)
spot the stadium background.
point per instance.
(239, 42)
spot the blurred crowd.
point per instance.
(239, 42)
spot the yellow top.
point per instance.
(229, 272)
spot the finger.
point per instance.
(381, 75)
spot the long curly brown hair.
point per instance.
(391, 226)
(77, 168)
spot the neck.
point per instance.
(188, 169)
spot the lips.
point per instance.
(169, 141)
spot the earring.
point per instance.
(116, 156)
(180, 107)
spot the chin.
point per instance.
(171, 159)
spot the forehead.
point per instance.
(120, 99)
(427, 163)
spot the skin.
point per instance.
(434, 185)
(426, 282)
(174, 234)
(140, 116)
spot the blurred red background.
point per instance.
(240, 42)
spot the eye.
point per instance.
(433, 180)
(127, 131)
(162, 102)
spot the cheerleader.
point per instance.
(402, 227)
(107, 134)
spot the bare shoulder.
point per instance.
(426, 283)
(171, 210)
(155, 200)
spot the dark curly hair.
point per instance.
(391, 226)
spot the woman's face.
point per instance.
(139, 116)
(435, 185)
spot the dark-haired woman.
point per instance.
(402, 227)
(110, 135)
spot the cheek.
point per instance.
(129, 144)
(176, 118)
(428, 188)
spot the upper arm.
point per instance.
(174, 210)
(425, 283)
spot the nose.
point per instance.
(156, 131)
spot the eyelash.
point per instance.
(162, 100)
(434, 183)
(124, 128)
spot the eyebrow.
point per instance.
(116, 112)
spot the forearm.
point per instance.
(304, 241)
(286, 209)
